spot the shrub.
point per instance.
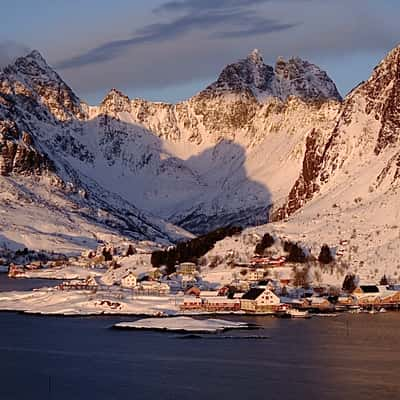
(325, 255)
(107, 255)
(384, 280)
(131, 251)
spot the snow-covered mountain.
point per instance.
(349, 184)
(223, 156)
(46, 203)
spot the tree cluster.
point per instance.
(266, 242)
(296, 253)
(191, 250)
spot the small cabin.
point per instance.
(129, 281)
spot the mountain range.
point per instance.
(260, 143)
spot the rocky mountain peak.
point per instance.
(249, 75)
(294, 77)
(115, 102)
(31, 80)
(255, 57)
(300, 78)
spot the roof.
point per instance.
(369, 288)
(130, 273)
(253, 294)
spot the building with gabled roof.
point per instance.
(129, 280)
(260, 300)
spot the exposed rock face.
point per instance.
(306, 185)
(300, 78)
(249, 75)
(294, 77)
(17, 153)
(115, 102)
(382, 94)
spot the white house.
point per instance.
(260, 300)
(255, 275)
(129, 281)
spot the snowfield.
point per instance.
(59, 302)
(183, 324)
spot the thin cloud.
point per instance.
(212, 17)
(199, 5)
(262, 28)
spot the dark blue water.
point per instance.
(7, 284)
(348, 357)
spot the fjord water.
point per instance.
(7, 284)
(349, 357)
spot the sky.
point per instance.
(168, 50)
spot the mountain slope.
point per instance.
(44, 199)
(349, 185)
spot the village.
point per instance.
(115, 279)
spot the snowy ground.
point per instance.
(63, 273)
(183, 324)
(86, 303)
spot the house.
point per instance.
(186, 268)
(191, 303)
(210, 304)
(153, 287)
(260, 300)
(220, 303)
(369, 295)
(129, 280)
(255, 275)
(319, 304)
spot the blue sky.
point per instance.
(170, 49)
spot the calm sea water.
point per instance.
(7, 284)
(347, 357)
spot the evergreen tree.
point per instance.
(325, 256)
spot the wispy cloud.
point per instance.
(220, 18)
(199, 5)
